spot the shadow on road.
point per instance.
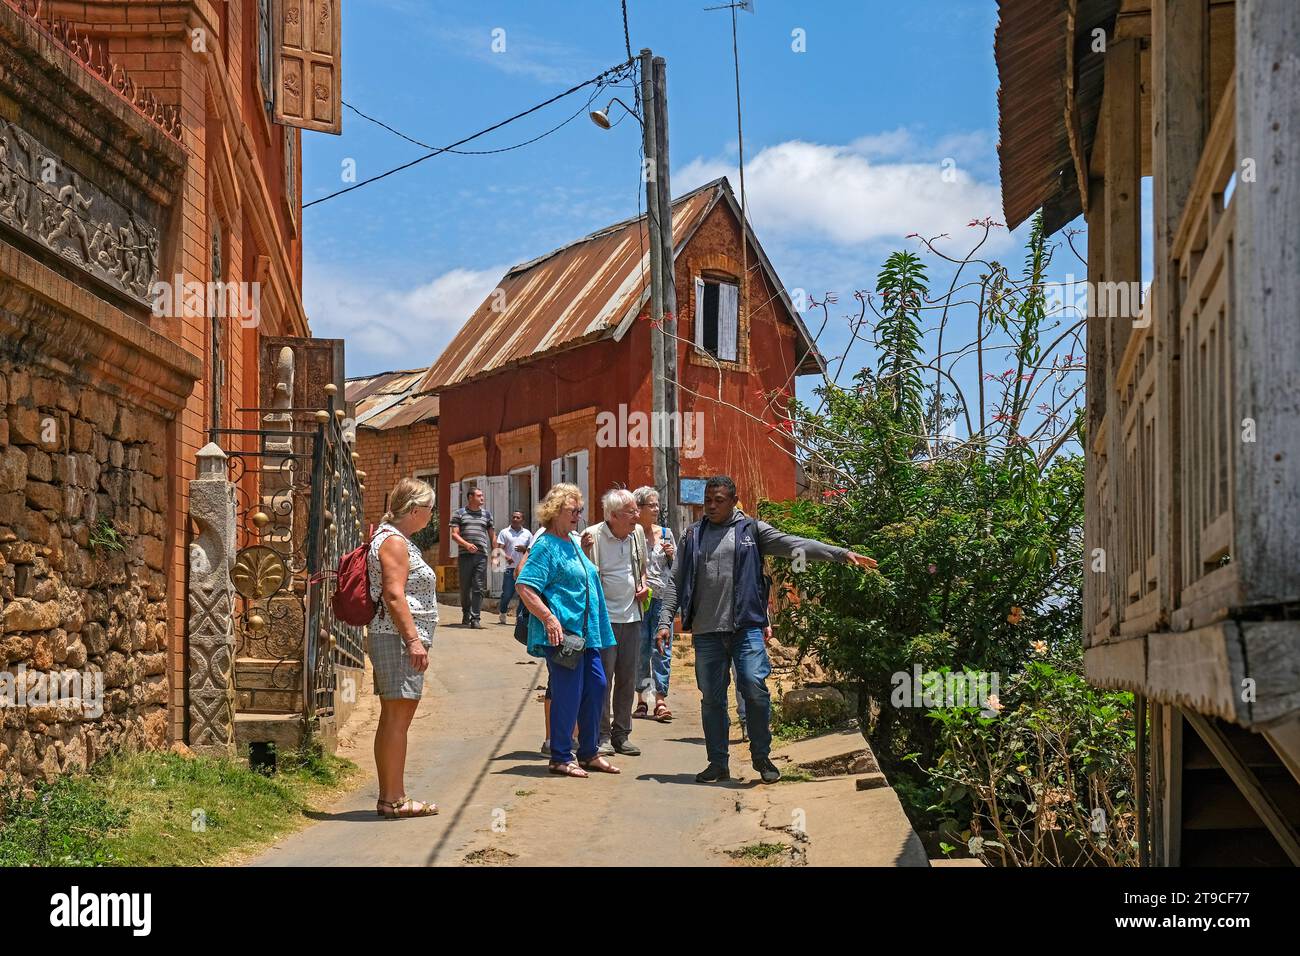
(525, 770)
(521, 755)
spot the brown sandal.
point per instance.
(662, 713)
(570, 769)
(405, 807)
(599, 765)
(641, 710)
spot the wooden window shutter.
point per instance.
(308, 90)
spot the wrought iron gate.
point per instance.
(298, 510)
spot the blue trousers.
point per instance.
(577, 694)
(652, 663)
(507, 590)
(714, 657)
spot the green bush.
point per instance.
(979, 544)
(1050, 780)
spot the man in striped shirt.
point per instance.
(471, 529)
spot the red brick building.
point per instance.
(396, 433)
(151, 135)
(545, 380)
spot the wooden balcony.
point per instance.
(1188, 609)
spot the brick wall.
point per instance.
(392, 454)
(235, 180)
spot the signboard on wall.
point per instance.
(692, 491)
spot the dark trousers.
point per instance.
(473, 582)
(714, 657)
(577, 694)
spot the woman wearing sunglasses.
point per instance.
(569, 627)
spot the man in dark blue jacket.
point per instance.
(722, 592)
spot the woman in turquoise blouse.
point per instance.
(562, 592)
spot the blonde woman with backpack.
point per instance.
(405, 590)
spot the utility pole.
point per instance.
(650, 173)
(667, 334)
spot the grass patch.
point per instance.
(796, 775)
(760, 854)
(785, 732)
(524, 793)
(162, 809)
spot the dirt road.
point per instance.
(474, 751)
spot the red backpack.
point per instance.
(351, 601)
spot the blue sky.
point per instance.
(845, 147)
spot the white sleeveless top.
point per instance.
(421, 587)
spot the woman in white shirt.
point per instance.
(661, 547)
(405, 589)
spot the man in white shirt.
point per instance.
(617, 547)
(512, 544)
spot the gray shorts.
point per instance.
(394, 675)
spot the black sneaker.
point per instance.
(767, 770)
(713, 774)
(626, 747)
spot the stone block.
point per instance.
(13, 469)
(44, 496)
(24, 425)
(82, 433)
(99, 409)
(814, 704)
(39, 465)
(25, 614)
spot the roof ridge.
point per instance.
(720, 182)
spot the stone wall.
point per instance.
(83, 521)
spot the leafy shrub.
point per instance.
(1050, 779)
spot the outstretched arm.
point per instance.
(782, 545)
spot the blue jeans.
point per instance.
(507, 590)
(577, 695)
(714, 656)
(653, 663)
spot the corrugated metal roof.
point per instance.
(1032, 50)
(576, 294)
(391, 399)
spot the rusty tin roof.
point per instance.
(1036, 53)
(590, 289)
(391, 399)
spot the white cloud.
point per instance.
(850, 195)
(387, 326)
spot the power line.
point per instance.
(616, 71)
(480, 152)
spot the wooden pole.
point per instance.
(671, 489)
(650, 173)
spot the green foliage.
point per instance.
(105, 536)
(979, 544)
(1051, 776)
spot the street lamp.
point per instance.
(601, 117)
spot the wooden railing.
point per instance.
(1202, 251)
(1175, 574)
(1135, 392)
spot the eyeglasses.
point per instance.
(577, 511)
